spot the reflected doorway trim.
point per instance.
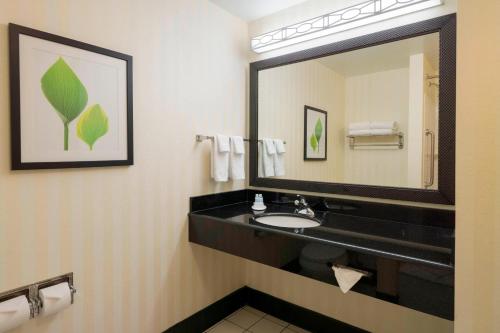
(445, 194)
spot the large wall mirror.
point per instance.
(371, 116)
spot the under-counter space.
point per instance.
(411, 262)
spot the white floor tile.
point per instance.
(254, 311)
(266, 326)
(243, 318)
(225, 327)
(296, 329)
(276, 320)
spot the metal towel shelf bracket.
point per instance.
(399, 144)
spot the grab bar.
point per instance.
(430, 181)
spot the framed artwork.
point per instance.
(71, 103)
(315, 134)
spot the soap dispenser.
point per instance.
(259, 203)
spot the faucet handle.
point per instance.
(300, 201)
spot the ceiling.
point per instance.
(384, 57)
(250, 10)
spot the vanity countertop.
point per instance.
(406, 242)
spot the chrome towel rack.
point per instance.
(399, 144)
(201, 138)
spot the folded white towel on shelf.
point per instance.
(359, 126)
(237, 158)
(346, 277)
(383, 131)
(370, 132)
(268, 152)
(220, 158)
(359, 132)
(384, 125)
(279, 158)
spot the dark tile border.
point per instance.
(297, 315)
(293, 314)
(212, 314)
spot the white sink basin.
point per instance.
(288, 221)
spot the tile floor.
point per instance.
(248, 319)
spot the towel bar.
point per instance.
(201, 137)
(399, 144)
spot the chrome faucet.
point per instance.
(303, 207)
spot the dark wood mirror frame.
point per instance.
(445, 194)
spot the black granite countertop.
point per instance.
(409, 242)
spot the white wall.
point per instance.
(283, 92)
(378, 96)
(123, 230)
(477, 292)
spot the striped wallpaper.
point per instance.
(123, 230)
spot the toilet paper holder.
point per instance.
(32, 292)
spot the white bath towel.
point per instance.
(220, 158)
(382, 131)
(346, 277)
(268, 152)
(279, 158)
(360, 132)
(370, 132)
(393, 125)
(237, 158)
(359, 126)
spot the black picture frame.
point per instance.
(445, 194)
(15, 31)
(306, 136)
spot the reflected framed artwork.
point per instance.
(315, 134)
(71, 103)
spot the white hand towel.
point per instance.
(268, 152)
(280, 146)
(384, 125)
(260, 153)
(220, 158)
(346, 278)
(223, 143)
(237, 158)
(359, 126)
(238, 144)
(279, 158)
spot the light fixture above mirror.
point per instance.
(351, 17)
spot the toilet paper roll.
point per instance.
(13, 313)
(55, 298)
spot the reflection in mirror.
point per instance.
(381, 121)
